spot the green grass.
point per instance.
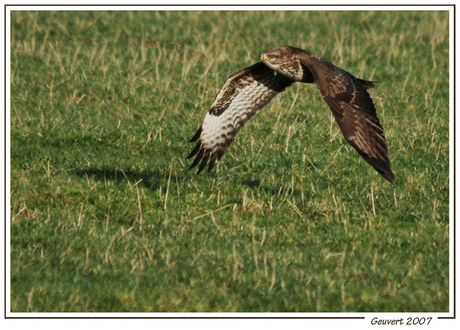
(105, 216)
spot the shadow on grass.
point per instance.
(151, 179)
(277, 189)
(252, 183)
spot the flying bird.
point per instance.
(247, 92)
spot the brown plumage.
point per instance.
(252, 89)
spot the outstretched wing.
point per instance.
(355, 113)
(242, 96)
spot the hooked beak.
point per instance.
(262, 58)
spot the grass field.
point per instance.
(105, 216)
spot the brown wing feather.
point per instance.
(355, 114)
(242, 96)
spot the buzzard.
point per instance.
(252, 89)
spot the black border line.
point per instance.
(454, 226)
(5, 174)
(191, 317)
(236, 5)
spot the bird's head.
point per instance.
(282, 60)
(275, 56)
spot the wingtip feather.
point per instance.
(196, 136)
(390, 177)
(368, 84)
(195, 150)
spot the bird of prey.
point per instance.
(252, 89)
